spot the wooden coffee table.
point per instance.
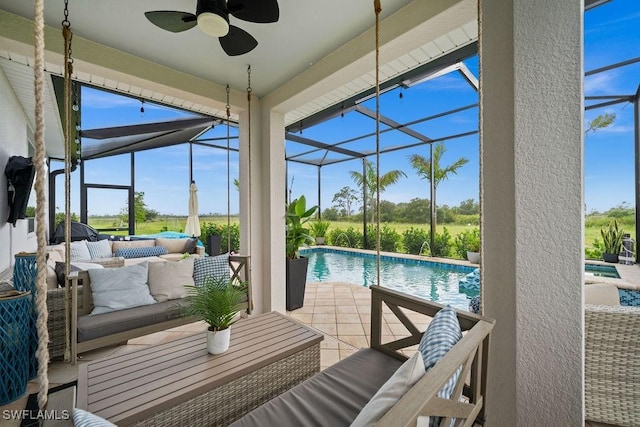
(179, 383)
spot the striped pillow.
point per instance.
(79, 251)
(442, 334)
(99, 249)
(140, 252)
(83, 418)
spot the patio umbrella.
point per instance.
(193, 222)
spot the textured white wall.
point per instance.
(13, 142)
(532, 209)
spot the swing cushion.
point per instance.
(119, 288)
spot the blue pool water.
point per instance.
(432, 281)
(602, 270)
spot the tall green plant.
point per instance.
(440, 173)
(320, 228)
(216, 302)
(368, 180)
(297, 234)
(467, 240)
(612, 238)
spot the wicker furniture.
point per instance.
(15, 324)
(239, 266)
(612, 364)
(179, 383)
(55, 306)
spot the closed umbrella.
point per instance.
(193, 222)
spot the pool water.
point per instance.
(432, 281)
(601, 270)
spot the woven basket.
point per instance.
(15, 316)
(25, 275)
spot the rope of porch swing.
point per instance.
(377, 8)
(42, 352)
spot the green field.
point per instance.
(177, 224)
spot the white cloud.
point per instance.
(602, 83)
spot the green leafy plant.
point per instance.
(297, 234)
(612, 238)
(441, 244)
(467, 241)
(414, 240)
(389, 238)
(216, 302)
(319, 228)
(349, 238)
(224, 231)
(595, 252)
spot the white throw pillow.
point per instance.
(119, 288)
(79, 251)
(167, 280)
(100, 249)
(397, 386)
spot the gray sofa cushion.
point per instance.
(334, 397)
(99, 325)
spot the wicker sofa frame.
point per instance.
(612, 364)
(80, 304)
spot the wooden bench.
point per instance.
(337, 395)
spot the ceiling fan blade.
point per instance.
(237, 42)
(260, 11)
(172, 20)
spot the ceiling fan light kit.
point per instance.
(212, 17)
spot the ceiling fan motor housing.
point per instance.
(212, 17)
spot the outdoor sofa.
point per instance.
(337, 395)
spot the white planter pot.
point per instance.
(320, 240)
(473, 257)
(218, 341)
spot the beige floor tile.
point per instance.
(323, 318)
(350, 329)
(325, 301)
(358, 341)
(398, 329)
(328, 328)
(303, 317)
(364, 308)
(390, 318)
(329, 357)
(329, 344)
(152, 339)
(305, 309)
(347, 309)
(342, 301)
(365, 317)
(347, 318)
(324, 309)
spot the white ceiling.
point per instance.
(307, 33)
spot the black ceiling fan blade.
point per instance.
(237, 42)
(173, 21)
(260, 11)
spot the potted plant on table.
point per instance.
(319, 229)
(217, 302)
(611, 241)
(297, 235)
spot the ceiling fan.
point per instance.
(212, 17)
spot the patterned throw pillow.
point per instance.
(215, 266)
(441, 335)
(99, 249)
(79, 251)
(140, 252)
(83, 418)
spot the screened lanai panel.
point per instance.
(350, 125)
(217, 136)
(449, 125)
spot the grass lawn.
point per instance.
(178, 224)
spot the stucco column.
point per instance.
(532, 209)
(268, 206)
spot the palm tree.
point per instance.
(369, 181)
(423, 168)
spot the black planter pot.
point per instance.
(610, 257)
(296, 282)
(213, 244)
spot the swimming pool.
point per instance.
(602, 270)
(425, 279)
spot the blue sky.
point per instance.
(612, 34)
